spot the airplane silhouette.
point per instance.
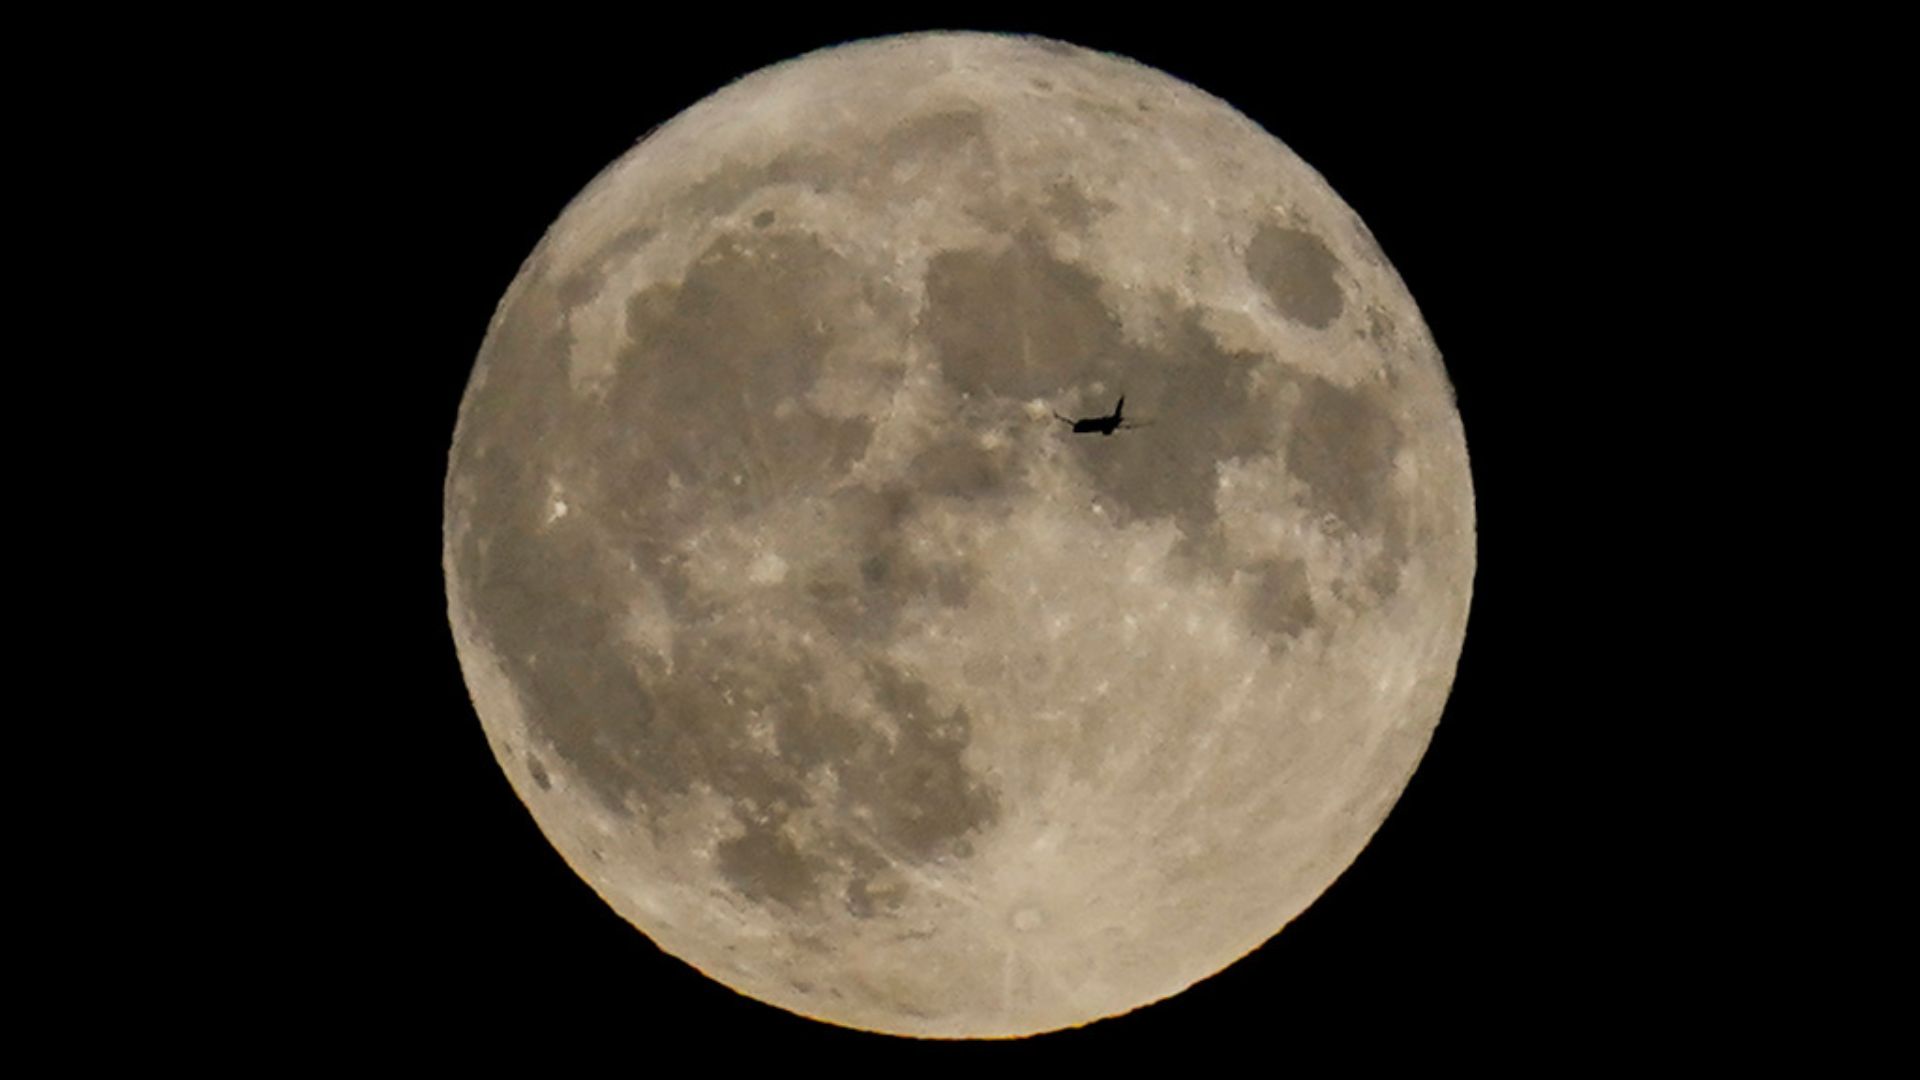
(1105, 425)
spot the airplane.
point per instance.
(1105, 425)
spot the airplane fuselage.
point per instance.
(1104, 425)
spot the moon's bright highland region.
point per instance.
(848, 673)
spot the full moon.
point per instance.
(819, 641)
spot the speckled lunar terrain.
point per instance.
(846, 672)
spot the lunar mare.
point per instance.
(842, 669)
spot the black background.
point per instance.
(1525, 892)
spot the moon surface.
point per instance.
(844, 670)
